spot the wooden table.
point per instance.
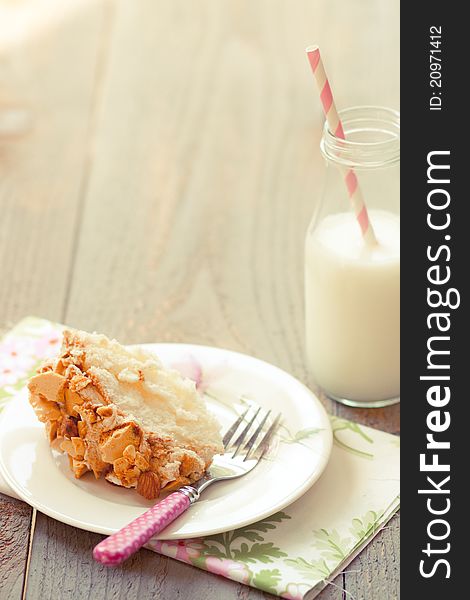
(162, 192)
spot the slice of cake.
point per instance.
(119, 413)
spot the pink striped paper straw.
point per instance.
(335, 125)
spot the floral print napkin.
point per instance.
(294, 553)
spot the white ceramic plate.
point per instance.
(43, 479)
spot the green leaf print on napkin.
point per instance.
(313, 571)
(258, 552)
(338, 425)
(363, 527)
(225, 555)
(267, 580)
(331, 545)
(332, 548)
(222, 545)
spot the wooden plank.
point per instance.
(375, 573)
(71, 573)
(204, 175)
(41, 175)
(167, 202)
(52, 73)
(15, 520)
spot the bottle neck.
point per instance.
(372, 139)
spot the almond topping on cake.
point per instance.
(119, 413)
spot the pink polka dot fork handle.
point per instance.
(121, 545)
(239, 458)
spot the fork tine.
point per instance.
(264, 444)
(241, 438)
(250, 443)
(233, 428)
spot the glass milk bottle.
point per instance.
(352, 290)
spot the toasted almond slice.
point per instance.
(105, 411)
(81, 426)
(74, 447)
(79, 468)
(67, 446)
(191, 464)
(79, 447)
(72, 399)
(51, 428)
(148, 485)
(129, 453)
(141, 463)
(114, 443)
(46, 410)
(48, 384)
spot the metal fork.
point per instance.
(242, 454)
